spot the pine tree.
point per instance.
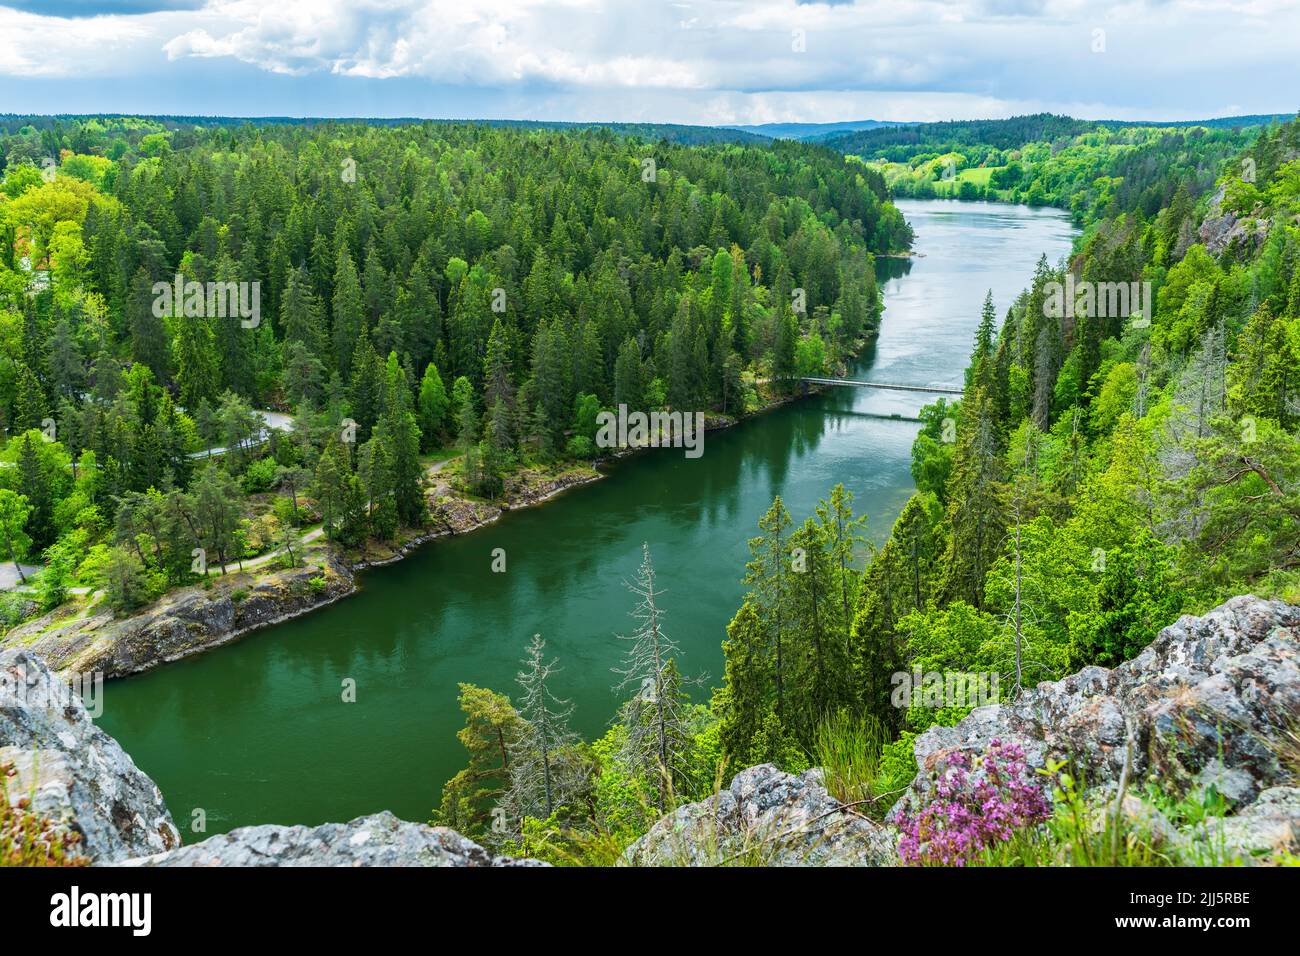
(300, 313)
(329, 487)
(981, 369)
(975, 492)
(366, 392)
(434, 406)
(197, 374)
(216, 505)
(628, 387)
(783, 352)
(492, 727)
(768, 576)
(30, 404)
(348, 311)
(148, 336)
(401, 434)
(67, 371)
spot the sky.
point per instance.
(707, 62)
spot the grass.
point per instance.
(1083, 832)
(849, 750)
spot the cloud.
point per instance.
(96, 8)
(744, 57)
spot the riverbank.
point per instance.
(84, 636)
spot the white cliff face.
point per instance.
(72, 772)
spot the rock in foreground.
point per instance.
(74, 774)
(1211, 702)
(765, 818)
(182, 622)
(377, 840)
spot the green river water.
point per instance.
(256, 731)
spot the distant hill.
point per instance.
(672, 132)
(1009, 133)
(812, 131)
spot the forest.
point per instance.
(1092, 169)
(1102, 474)
(430, 291)
(424, 291)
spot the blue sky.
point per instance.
(693, 61)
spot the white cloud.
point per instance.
(737, 55)
(36, 46)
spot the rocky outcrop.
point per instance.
(1222, 230)
(451, 512)
(1212, 702)
(766, 818)
(73, 773)
(377, 840)
(182, 622)
(69, 772)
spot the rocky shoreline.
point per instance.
(198, 618)
(1205, 705)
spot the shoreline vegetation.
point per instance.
(217, 611)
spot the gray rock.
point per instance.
(1235, 786)
(1221, 230)
(765, 818)
(1271, 824)
(377, 840)
(73, 773)
(1209, 701)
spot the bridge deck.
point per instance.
(932, 389)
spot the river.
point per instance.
(257, 731)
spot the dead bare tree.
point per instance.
(654, 719)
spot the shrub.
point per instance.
(975, 805)
(15, 608)
(580, 446)
(128, 583)
(260, 476)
